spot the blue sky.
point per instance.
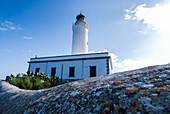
(135, 32)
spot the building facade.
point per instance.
(80, 64)
(73, 67)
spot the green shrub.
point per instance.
(38, 84)
(12, 76)
(54, 80)
(30, 73)
(27, 82)
(18, 75)
(32, 82)
(8, 79)
(18, 81)
(67, 81)
(47, 84)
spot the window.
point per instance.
(37, 70)
(92, 71)
(107, 66)
(53, 71)
(71, 71)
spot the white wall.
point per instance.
(80, 39)
(78, 64)
(42, 67)
(100, 67)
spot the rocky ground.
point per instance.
(138, 91)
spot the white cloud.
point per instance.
(7, 25)
(127, 11)
(20, 28)
(142, 32)
(157, 17)
(114, 57)
(27, 37)
(12, 27)
(1, 28)
(129, 64)
(98, 51)
(8, 22)
(127, 16)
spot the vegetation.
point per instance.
(33, 81)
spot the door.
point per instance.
(92, 71)
(53, 71)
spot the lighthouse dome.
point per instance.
(80, 17)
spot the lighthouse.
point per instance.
(78, 65)
(80, 35)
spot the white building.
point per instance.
(80, 64)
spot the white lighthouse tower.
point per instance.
(80, 36)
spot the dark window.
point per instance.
(53, 71)
(107, 66)
(37, 70)
(71, 71)
(107, 61)
(107, 71)
(92, 71)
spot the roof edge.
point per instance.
(70, 55)
(92, 58)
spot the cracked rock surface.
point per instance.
(145, 90)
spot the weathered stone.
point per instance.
(97, 108)
(139, 84)
(29, 111)
(139, 91)
(147, 86)
(149, 108)
(168, 73)
(145, 100)
(125, 103)
(165, 93)
(154, 94)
